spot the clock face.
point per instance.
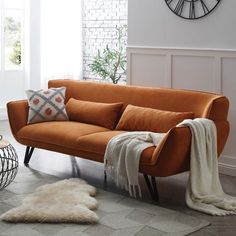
(192, 9)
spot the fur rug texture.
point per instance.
(66, 201)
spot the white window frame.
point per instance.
(2, 40)
(2, 51)
(12, 81)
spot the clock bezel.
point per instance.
(196, 18)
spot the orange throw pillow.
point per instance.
(137, 118)
(102, 114)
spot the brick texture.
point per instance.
(100, 19)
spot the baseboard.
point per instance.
(227, 165)
(3, 113)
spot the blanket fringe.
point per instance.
(122, 182)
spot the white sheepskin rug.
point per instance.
(66, 201)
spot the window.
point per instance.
(61, 49)
(11, 25)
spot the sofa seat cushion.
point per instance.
(97, 143)
(64, 133)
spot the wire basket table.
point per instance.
(8, 163)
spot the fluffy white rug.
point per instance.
(68, 201)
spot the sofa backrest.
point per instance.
(209, 105)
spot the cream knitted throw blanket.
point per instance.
(204, 191)
(122, 157)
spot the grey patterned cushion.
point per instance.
(46, 105)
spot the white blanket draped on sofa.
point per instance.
(204, 192)
(122, 157)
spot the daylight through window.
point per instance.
(11, 22)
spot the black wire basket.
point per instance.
(8, 163)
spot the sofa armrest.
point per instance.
(172, 156)
(218, 109)
(223, 129)
(176, 144)
(17, 115)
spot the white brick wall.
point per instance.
(100, 19)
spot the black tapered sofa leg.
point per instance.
(28, 154)
(152, 187)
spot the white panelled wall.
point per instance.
(167, 51)
(204, 70)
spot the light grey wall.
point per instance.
(162, 55)
(151, 23)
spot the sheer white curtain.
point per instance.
(61, 40)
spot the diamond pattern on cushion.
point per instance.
(46, 105)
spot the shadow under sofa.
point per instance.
(89, 141)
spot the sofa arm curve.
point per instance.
(223, 129)
(172, 156)
(17, 115)
(218, 109)
(177, 139)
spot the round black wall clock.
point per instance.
(192, 9)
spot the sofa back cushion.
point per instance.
(137, 118)
(102, 114)
(208, 105)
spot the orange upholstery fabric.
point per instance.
(200, 103)
(61, 149)
(218, 109)
(89, 141)
(136, 118)
(64, 133)
(103, 114)
(17, 115)
(175, 151)
(97, 143)
(146, 156)
(222, 134)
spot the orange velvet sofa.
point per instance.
(89, 141)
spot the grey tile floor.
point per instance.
(171, 189)
(119, 214)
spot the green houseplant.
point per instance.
(15, 57)
(110, 64)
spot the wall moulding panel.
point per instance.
(209, 70)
